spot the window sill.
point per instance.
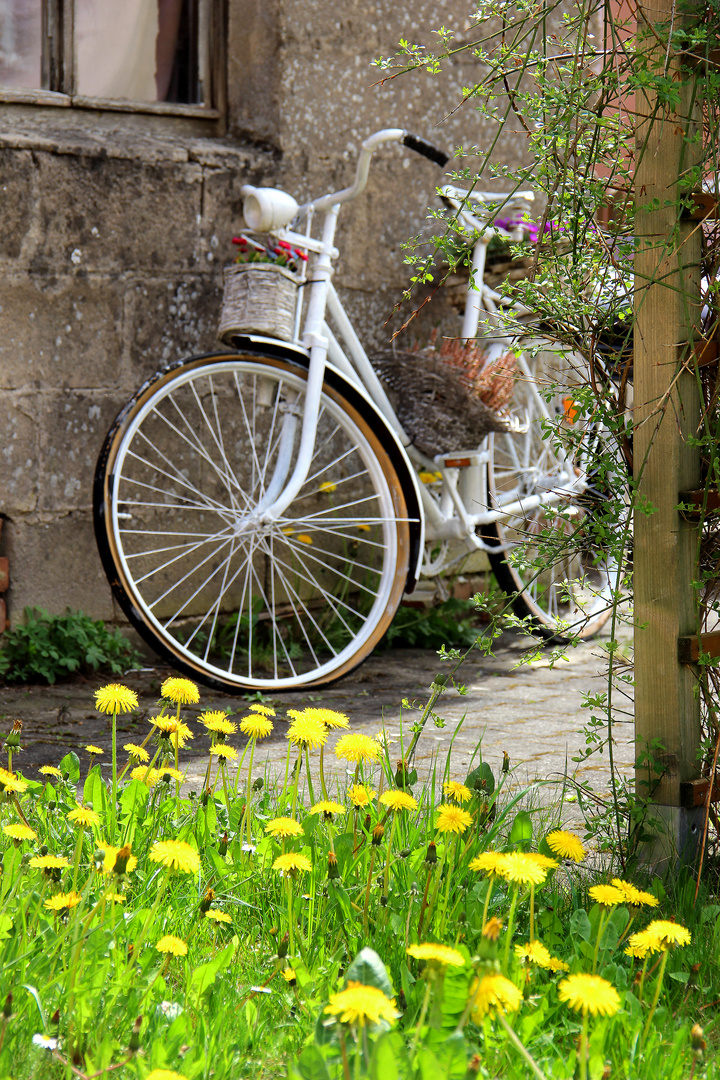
(66, 101)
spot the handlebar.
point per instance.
(413, 142)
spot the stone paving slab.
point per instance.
(533, 712)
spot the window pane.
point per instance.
(140, 50)
(21, 43)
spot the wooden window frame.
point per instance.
(59, 76)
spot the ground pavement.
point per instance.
(533, 712)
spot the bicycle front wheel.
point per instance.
(229, 598)
(548, 556)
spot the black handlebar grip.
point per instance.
(420, 146)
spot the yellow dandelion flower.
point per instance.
(292, 863)
(118, 860)
(669, 933)
(642, 943)
(20, 832)
(175, 946)
(10, 782)
(534, 953)
(265, 710)
(452, 818)
(173, 729)
(566, 845)
(328, 717)
(589, 993)
(634, 896)
(307, 733)
(63, 901)
(356, 748)
(360, 795)
(558, 965)
(177, 855)
(149, 777)
(457, 791)
(218, 721)
(48, 862)
(489, 862)
(429, 477)
(224, 752)
(493, 992)
(363, 527)
(398, 800)
(49, 770)
(83, 816)
(218, 916)
(522, 870)
(327, 486)
(168, 773)
(92, 749)
(328, 808)
(304, 538)
(283, 827)
(439, 955)
(543, 860)
(290, 976)
(180, 691)
(256, 726)
(164, 1074)
(360, 1005)
(115, 698)
(116, 897)
(139, 753)
(607, 895)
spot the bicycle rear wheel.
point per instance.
(551, 559)
(227, 598)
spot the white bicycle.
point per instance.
(259, 512)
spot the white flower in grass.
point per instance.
(44, 1041)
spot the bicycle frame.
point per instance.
(455, 515)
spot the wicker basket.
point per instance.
(259, 298)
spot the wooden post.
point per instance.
(667, 412)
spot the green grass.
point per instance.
(92, 978)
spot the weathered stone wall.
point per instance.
(115, 227)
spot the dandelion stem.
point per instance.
(451, 865)
(601, 927)
(322, 773)
(509, 931)
(367, 891)
(486, 905)
(522, 1049)
(583, 1046)
(248, 797)
(309, 777)
(421, 1020)
(424, 902)
(658, 988)
(149, 921)
(386, 876)
(297, 779)
(113, 810)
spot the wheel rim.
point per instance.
(573, 591)
(239, 599)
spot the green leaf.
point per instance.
(5, 926)
(481, 779)
(383, 1065)
(311, 1064)
(204, 975)
(522, 830)
(580, 925)
(95, 792)
(367, 968)
(679, 976)
(70, 764)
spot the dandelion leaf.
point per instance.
(368, 969)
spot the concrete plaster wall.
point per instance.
(115, 228)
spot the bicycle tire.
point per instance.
(571, 596)
(228, 600)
